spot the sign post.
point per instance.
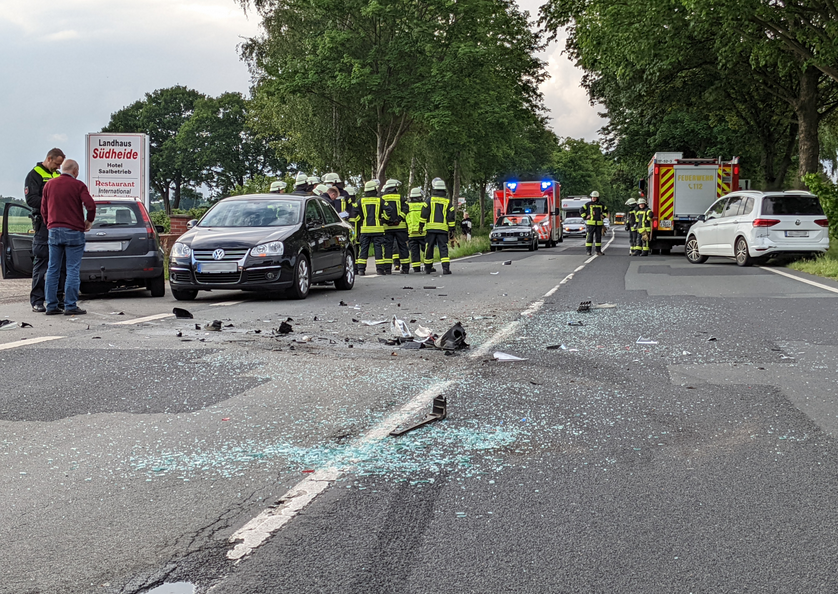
(118, 166)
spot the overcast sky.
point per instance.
(67, 66)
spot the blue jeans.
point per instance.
(68, 245)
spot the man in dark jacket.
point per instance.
(62, 206)
(33, 190)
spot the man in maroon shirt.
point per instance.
(62, 208)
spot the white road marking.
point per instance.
(468, 257)
(801, 280)
(260, 528)
(145, 319)
(220, 303)
(591, 259)
(28, 341)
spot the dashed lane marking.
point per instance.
(27, 342)
(145, 319)
(220, 303)
(802, 280)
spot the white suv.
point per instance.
(753, 226)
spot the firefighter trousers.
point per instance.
(643, 245)
(634, 241)
(437, 239)
(377, 242)
(594, 238)
(417, 251)
(395, 238)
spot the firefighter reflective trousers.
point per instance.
(634, 241)
(417, 252)
(377, 241)
(437, 239)
(594, 238)
(395, 238)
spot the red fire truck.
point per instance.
(537, 199)
(678, 190)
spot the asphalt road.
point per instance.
(705, 462)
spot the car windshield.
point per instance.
(117, 215)
(573, 221)
(253, 213)
(791, 205)
(513, 221)
(527, 206)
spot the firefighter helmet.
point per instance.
(392, 184)
(300, 179)
(320, 189)
(278, 186)
(594, 194)
(331, 178)
(371, 185)
(313, 180)
(350, 190)
(641, 201)
(631, 202)
(438, 184)
(416, 192)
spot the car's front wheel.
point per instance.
(743, 257)
(692, 253)
(347, 281)
(157, 286)
(302, 278)
(184, 294)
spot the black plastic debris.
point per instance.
(315, 319)
(452, 340)
(355, 320)
(407, 288)
(712, 339)
(182, 314)
(5, 323)
(179, 334)
(388, 342)
(229, 326)
(257, 331)
(508, 263)
(197, 326)
(25, 325)
(214, 326)
(554, 347)
(584, 306)
(412, 345)
(284, 328)
(343, 304)
(429, 287)
(439, 410)
(577, 323)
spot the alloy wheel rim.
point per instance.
(350, 269)
(692, 249)
(741, 250)
(303, 276)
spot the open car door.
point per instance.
(16, 241)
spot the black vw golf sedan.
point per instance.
(263, 242)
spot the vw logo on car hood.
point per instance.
(797, 222)
(101, 234)
(218, 254)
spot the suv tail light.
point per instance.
(822, 222)
(766, 222)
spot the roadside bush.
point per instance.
(159, 217)
(827, 191)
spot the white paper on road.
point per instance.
(642, 340)
(399, 328)
(507, 357)
(375, 323)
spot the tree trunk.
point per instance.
(481, 201)
(808, 121)
(780, 171)
(455, 186)
(412, 175)
(177, 192)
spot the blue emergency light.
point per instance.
(546, 184)
(512, 185)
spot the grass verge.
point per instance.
(826, 265)
(478, 244)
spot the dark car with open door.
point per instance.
(121, 249)
(264, 242)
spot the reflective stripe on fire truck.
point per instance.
(724, 178)
(666, 205)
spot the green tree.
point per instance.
(161, 115)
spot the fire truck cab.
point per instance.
(536, 199)
(679, 190)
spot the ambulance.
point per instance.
(539, 200)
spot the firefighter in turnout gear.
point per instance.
(594, 214)
(372, 228)
(634, 241)
(438, 216)
(277, 187)
(395, 227)
(643, 226)
(415, 230)
(300, 185)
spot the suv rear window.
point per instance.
(791, 205)
(118, 215)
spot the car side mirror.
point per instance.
(160, 228)
(701, 217)
(191, 223)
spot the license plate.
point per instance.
(510, 239)
(214, 267)
(797, 234)
(666, 224)
(103, 246)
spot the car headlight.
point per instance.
(274, 248)
(181, 250)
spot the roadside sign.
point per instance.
(117, 166)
